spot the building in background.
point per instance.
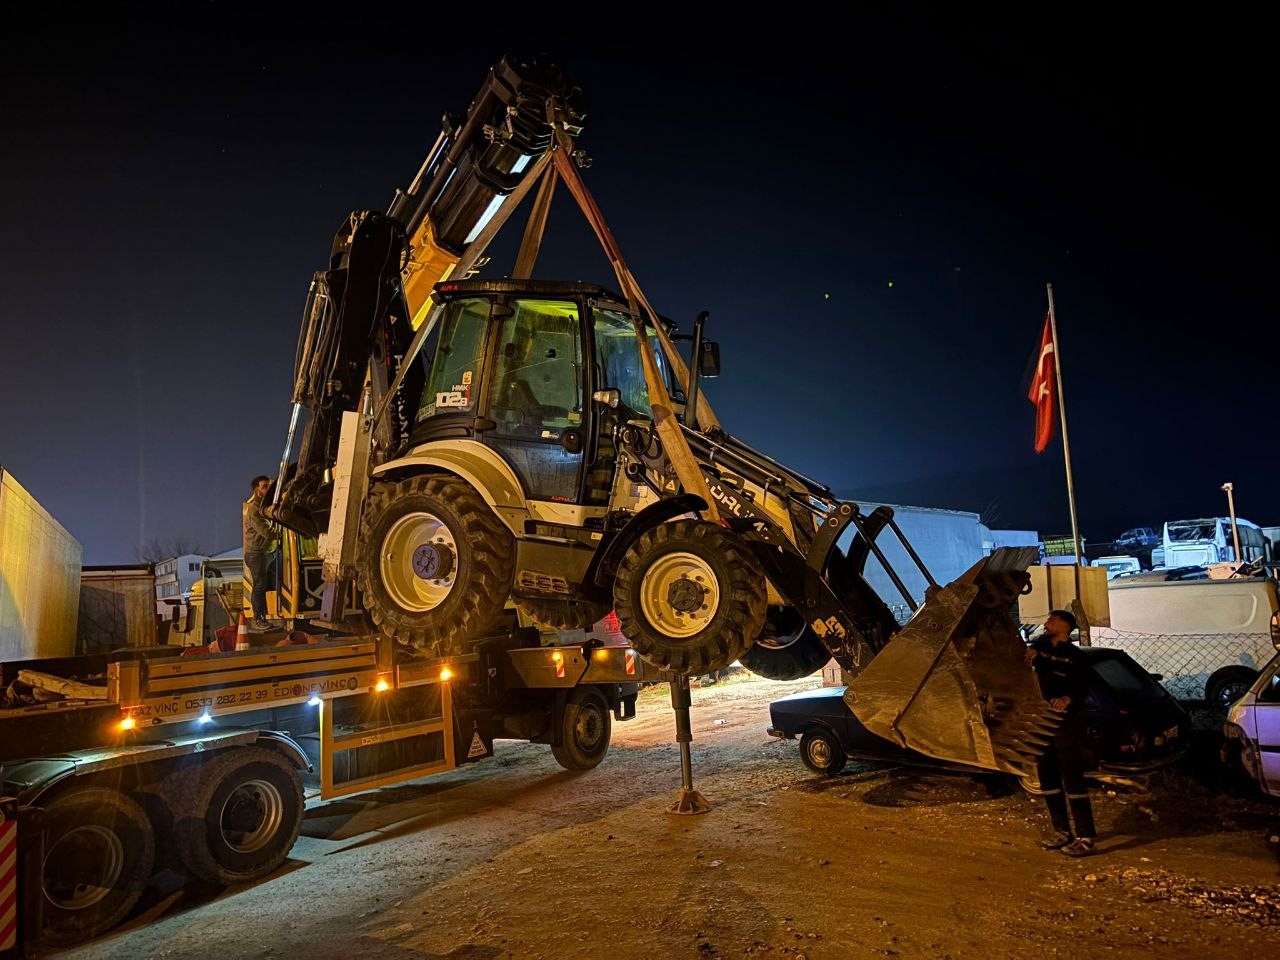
(175, 576)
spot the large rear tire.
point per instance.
(585, 731)
(99, 852)
(236, 816)
(690, 596)
(562, 614)
(787, 648)
(435, 563)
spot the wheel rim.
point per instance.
(1230, 692)
(588, 729)
(417, 549)
(83, 866)
(251, 816)
(689, 581)
(774, 638)
(819, 752)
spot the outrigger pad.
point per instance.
(953, 683)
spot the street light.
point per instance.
(1229, 488)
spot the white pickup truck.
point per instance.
(1207, 639)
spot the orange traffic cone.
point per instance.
(242, 634)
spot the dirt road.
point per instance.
(514, 857)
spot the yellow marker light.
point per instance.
(602, 654)
(381, 686)
(557, 657)
(446, 673)
(128, 723)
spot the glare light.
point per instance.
(557, 657)
(602, 654)
(381, 686)
(205, 717)
(128, 723)
(485, 217)
(446, 673)
(314, 701)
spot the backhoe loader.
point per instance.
(472, 443)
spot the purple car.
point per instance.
(1253, 730)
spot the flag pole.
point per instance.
(1062, 414)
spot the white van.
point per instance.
(1206, 638)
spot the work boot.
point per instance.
(1055, 840)
(1079, 847)
(260, 625)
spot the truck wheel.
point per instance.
(99, 852)
(690, 596)
(562, 614)
(236, 816)
(1228, 685)
(822, 752)
(585, 731)
(786, 649)
(435, 563)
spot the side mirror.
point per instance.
(709, 359)
(610, 396)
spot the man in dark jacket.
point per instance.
(1064, 680)
(257, 543)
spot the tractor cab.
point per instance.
(540, 372)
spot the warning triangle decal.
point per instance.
(477, 747)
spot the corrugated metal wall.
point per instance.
(39, 578)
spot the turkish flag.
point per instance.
(1042, 390)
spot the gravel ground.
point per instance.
(514, 858)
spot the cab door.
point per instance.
(536, 395)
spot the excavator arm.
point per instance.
(362, 311)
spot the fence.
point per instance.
(1187, 661)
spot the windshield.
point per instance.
(1127, 679)
(618, 358)
(1185, 530)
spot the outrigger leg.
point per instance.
(689, 801)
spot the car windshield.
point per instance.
(1127, 679)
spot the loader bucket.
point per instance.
(953, 683)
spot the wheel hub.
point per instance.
(433, 561)
(251, 816)
(419, 562)
(83, 867)
(679, 594)
(686, 595)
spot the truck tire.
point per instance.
(690, 596)
(429, 525)
(787, 648)
(585, 730)
(822, 751)
(562, 614)
(1228, 685)
(99, 853)
(237, 815)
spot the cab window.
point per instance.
(455, 364)
(618, 357)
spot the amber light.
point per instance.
(381, 686)
(446, 673)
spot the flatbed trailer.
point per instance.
(206, 762)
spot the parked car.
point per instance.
(1133, 725)
(1139, 538)
(1253, 730)
(1117, 566)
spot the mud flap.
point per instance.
(953, 683)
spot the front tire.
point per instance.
(435, 563)
(99, 853)
(787, 648)
(585, 730)
(237, 815)
(690, 596)
(822, 751)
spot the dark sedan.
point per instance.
(1134, 726)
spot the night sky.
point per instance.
(869, 206)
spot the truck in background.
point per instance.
(1198, 543)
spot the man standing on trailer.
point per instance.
(1064, 679)
(257, 544)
